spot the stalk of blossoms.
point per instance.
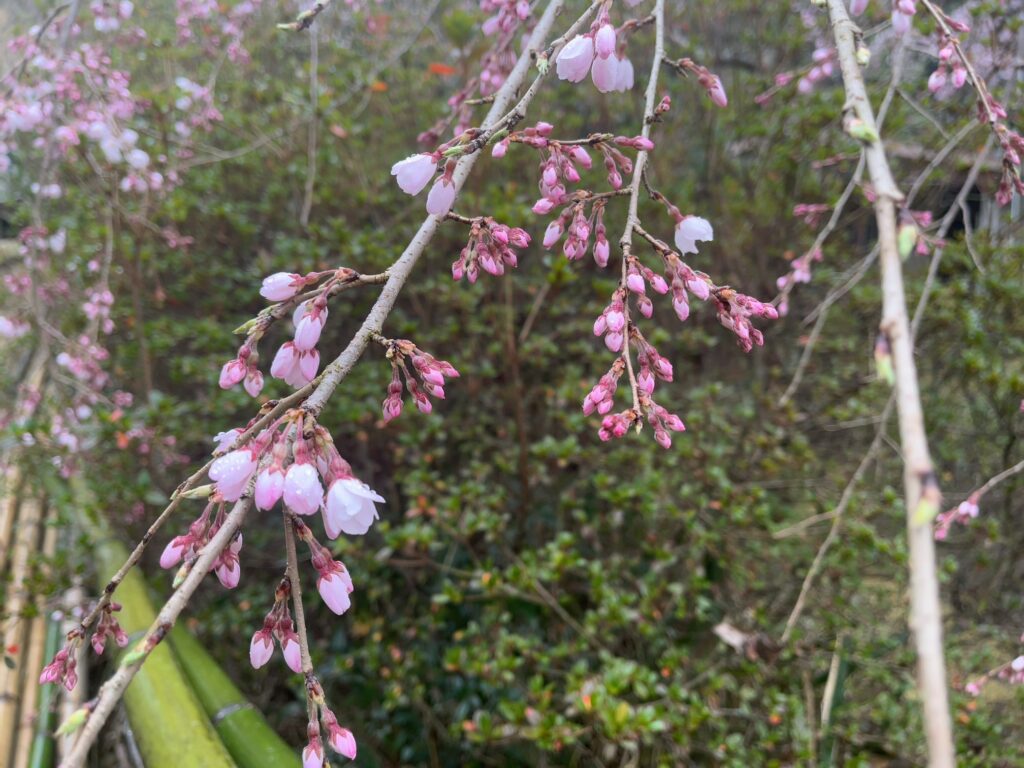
(920, 486)
(398, 273)
(639, 167)
(318, 392)
(275, 409)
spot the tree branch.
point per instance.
(918, 476)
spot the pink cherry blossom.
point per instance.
(350, 507)
(690, 230)
(574, 60)
(415, 172)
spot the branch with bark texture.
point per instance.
(920, 485)
(318, 393)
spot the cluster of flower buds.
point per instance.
(799, 272)
(1012, 144)
(508, 14)
(491, 247)
(637, 277)
(1011, 672)
(652, 364)
(602, 396)
(185, 549)
(963, 513)
(108, 627)
(611, 323)
(734, 313)
(600, 54)
(277, 625)
(708, 80)
(297, 361)
(424, 377)
(951, 68)
(682, 282)
(811, 213)
(339, 739)
(911, 237)
(661, 421)
(63, 668)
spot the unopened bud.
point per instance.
(863, 55)
(75, 721)
(907, 238)
(199, 492)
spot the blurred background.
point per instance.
(532, 596)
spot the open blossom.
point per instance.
(575, 58)
(350, 507)
(415, 172)
(690, 230)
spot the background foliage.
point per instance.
(532, 596)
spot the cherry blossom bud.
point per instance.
(260, 649)
(302, 491)
(342, 741)
(308, 329)
(857, 7)
(716, 91)
(313, 755)
(173, 552)
(581, 156)
(232, 373)
(292, 653)
(604, 41)
(441, 197)
(613, 341)
(635, 282)
(334, 591)
(605, 74)
(231, 472)
(281, 286)
(936, 80)
(415, 172)
(253, 382)
(269, 487)
(553, 233)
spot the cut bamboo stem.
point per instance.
(15, 631)
(28, 709)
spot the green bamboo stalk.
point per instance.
(42, 741)
(169, 723)
(242, 728)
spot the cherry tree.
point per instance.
(68, 111)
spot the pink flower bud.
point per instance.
(302, 492)
(260, 649)
(343, 742)
(441, 197)
(269, 488)
(334, 591)
(232, 373)
(173, 552)
(604, 41)
(613, 341)
(281, 286)
(552, 233)
(292, 653)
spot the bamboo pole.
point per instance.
(15, 630)
(34, 661)
(42, 740)
(170, 725)
(242, 728)
(8, 511)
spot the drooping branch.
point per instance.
(920, 486)
(318, 393)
